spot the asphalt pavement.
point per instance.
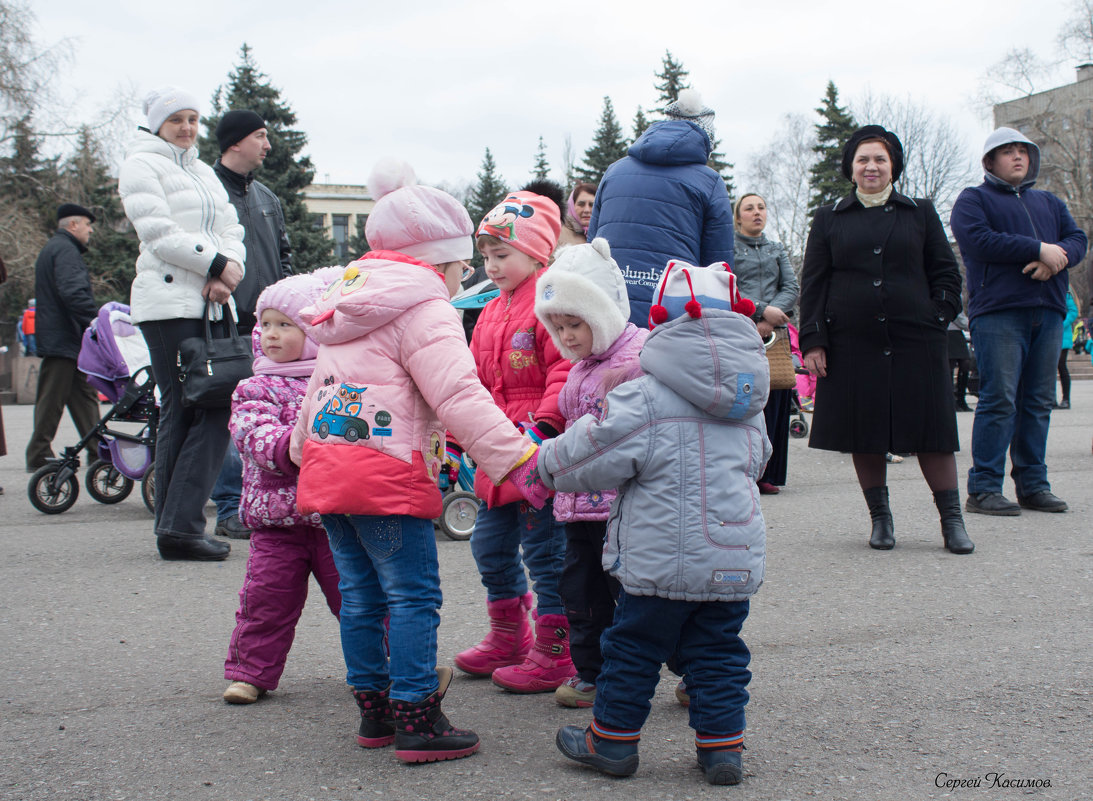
(909, 674)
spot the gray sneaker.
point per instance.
(1043, 501)
(991, 503)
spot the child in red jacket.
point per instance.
(524, 372)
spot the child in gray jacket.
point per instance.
(684, 444)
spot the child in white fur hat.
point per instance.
(582, 302)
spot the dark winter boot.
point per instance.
(377, 727)
(883, 537)
(423, 733)
(952, 522)
(613, 757)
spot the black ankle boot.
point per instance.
(883, 537)
(377, 727)
(952, 522)
(199, 549)
(423, 733)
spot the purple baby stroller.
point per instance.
(115, 359)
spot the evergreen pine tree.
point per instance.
(541, 169)
(111, 257)
(284, 171)
(826, 180)
(639, 124)
(717, 163)
(673, 79)
(608, 146)
(28, 181)
(487, 193)
(358, 242)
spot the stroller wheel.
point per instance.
(106, 484)
(460, 512)
(798, 428)
(148, 489)
(50, 495)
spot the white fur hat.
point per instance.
(584, 281)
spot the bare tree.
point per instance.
(780, 174)
(1076, 36)
(937, 161)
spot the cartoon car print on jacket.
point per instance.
(341, 415)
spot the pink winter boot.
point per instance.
(508, 641)
(548, 664)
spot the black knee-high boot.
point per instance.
(952, 522)
(883, 537)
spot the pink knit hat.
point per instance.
(288, 296)
(419, 221)
(529, 222)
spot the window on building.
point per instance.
(318, 222)
(340, 233)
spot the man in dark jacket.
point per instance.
(662, 202)
(1017, 243)
(244, 143)
(65, 307)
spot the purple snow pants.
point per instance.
(272, 599)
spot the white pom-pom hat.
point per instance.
(689, 106)
(161, 103)
(584, 281)
(419, 221)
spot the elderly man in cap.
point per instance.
(65, 307)
(244, 143)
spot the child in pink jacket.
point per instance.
(582, 302)
(524, 372)
(393, 372)
(286, 547)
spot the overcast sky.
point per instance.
(436, 82)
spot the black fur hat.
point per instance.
(873, 132)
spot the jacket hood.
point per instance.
(1005, 136)
(672, 142)
(372, 292)
(715, 361)
(146, 142)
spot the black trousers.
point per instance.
(776, 413)
(190, 443)
(588, 594)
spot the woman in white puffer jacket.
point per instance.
(191, 248)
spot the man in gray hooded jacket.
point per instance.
(1017, 243)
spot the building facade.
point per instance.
(341, 209)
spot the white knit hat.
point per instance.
(159, 104)
(689, 106)
(584, 281)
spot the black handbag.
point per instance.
(210, 367)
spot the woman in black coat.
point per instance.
(878, 288)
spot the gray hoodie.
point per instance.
(684, 444)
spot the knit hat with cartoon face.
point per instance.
(584, 281)
(526, 221)
(685, 289)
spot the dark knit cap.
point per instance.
(895, 149)
(235, 126)
(73, 210)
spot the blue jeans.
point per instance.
(499, 535)
(388, 565)
(229, 484)
(1016, 351)
(702, 638)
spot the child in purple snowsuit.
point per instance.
(286, 548)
